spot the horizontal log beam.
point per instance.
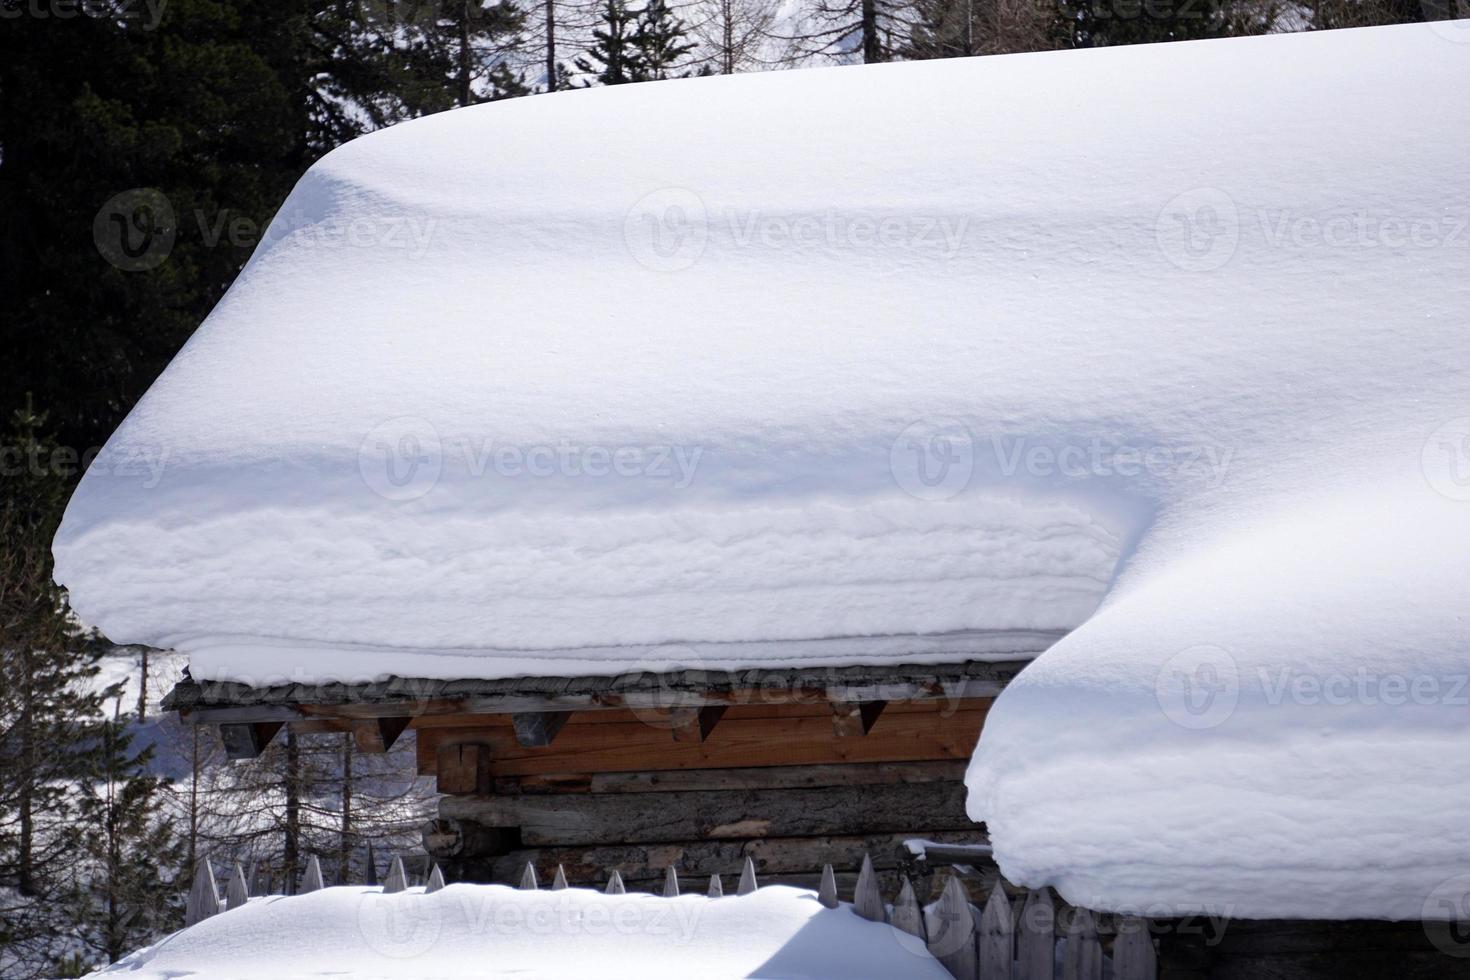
(762, 777)
(377, 735)
(655, 699)
(535, 730)
(854, 719)
(711, 815)
(695, 724)
(917, 733)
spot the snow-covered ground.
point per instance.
(482, 930)
(916, 350)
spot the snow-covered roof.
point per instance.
(848, 363)
(483, 930)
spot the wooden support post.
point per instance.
(950, 926)
(536, 730)
(1036, 939)
(1083, 957)
(376, 735)
(854, 719)
(867, 901)
(695, 724)
(463, 769)
(1133, 951)
(248, 739)
(997, 936)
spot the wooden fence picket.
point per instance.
(716, 887)
(1036, 938)
(1133, 951)
(1082, 959)
(528, 878)
(827, 891)
(203, 896)
(867, 901)
(560, 881)
(907, 916)
(997, 937)
(237, 893)
(436, 881)
(312, 880)
(747, 878)
(615, 885)
(950, 928)
(397, 879)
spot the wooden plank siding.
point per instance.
(747, 736)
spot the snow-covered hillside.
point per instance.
(478, 930)
(897, 354)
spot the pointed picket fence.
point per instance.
(1003, 939)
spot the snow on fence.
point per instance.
(999, 941)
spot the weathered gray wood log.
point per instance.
(203, 896)
(686, 780)
(827, 891)
(1036, 939)
(1082, 957)
(312, 880)
(397, 879)
(1133, 951)
(907, 916)
(237, 892)
(671, 883)
(867, 901)
(716, 887)
(704, 815)
(997, 937)
(747, 878)
(950, 927)
(436, 881)
(615, 885)
(560, 881)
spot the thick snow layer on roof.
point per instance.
(916, 350)
(492, 930)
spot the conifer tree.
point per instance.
(614, 57)
(662, 41)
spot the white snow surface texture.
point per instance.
(492, 931)
(956, 347)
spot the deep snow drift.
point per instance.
(920, 350)
(484, 930)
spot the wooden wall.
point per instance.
(793, 786)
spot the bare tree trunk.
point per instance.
(871, 51)
(193, 804)
(463, 76)
(552, 83)
(25, 877)
(344, 859)
(291, 854)
(143, 688)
